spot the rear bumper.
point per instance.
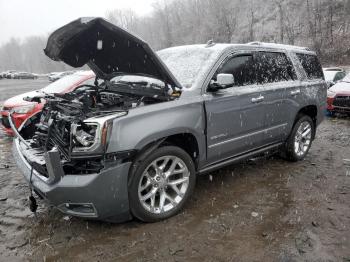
(102, 196)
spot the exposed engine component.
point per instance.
(65, 121)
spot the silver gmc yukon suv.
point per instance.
(132, 144)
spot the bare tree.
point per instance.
(323, 25)
(125, 18)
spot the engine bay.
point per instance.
(62, 126)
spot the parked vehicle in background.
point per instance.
(338, 97)
(333, 74)
(52, 74)
(59, 75)
(9, 74)
(134, 145)
(23, 109)
(24, 75)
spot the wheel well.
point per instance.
(310, 111)
(185, 141)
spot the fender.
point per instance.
(144, 125)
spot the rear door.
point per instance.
(276, 74)
(235, 115)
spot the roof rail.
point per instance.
(210, 43)
(254, 43)
(333, 69)
(274, 45)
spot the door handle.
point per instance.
(295, 92)
(258, 99)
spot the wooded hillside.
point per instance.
(322, 25)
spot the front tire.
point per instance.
(161, 183)
(300, 139)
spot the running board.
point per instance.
(237, 159)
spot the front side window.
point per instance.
(274, 67)
(311, 66)
(242, 69)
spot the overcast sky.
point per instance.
(21, 18)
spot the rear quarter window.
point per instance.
(311, 65)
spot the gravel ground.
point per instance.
(266, 209)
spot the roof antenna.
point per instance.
(210, 43)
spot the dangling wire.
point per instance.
(33, 205)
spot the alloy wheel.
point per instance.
(163, 184)
(302, 140)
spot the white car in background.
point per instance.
(58, 75)
(333, 74)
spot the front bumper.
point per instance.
(339, 109)
(102, 196)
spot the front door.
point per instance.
(235, 115)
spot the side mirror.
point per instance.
(225, 80)
(222, 81)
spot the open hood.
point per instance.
(106, 49)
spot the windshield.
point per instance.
(62, 84)
(187, 63)
(346, 78)
(329, 75)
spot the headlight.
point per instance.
(93, 135)
(23, 109)
(85, 136)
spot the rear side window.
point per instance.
(242, 69)
(311, 66)
(274, 67)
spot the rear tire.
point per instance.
(300, 139)
(161, 183)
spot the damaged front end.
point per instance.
(63, 150)
(74, 128)
(76, 125)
